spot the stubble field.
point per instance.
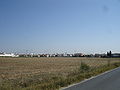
(23, 72)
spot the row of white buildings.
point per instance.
(60, 55)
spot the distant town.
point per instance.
(104, 55)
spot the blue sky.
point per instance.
(58, 26)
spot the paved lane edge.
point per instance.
(63, 88)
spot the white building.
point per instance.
(8, 55)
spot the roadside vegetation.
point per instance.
(50, 73)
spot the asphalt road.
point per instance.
(107, 81)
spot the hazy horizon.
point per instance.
(59, 26)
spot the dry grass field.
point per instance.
(19, 70)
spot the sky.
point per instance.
(59, 26)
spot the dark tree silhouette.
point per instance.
(109, 54)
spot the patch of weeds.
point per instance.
(84, 67)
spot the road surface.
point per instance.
(106, 81)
